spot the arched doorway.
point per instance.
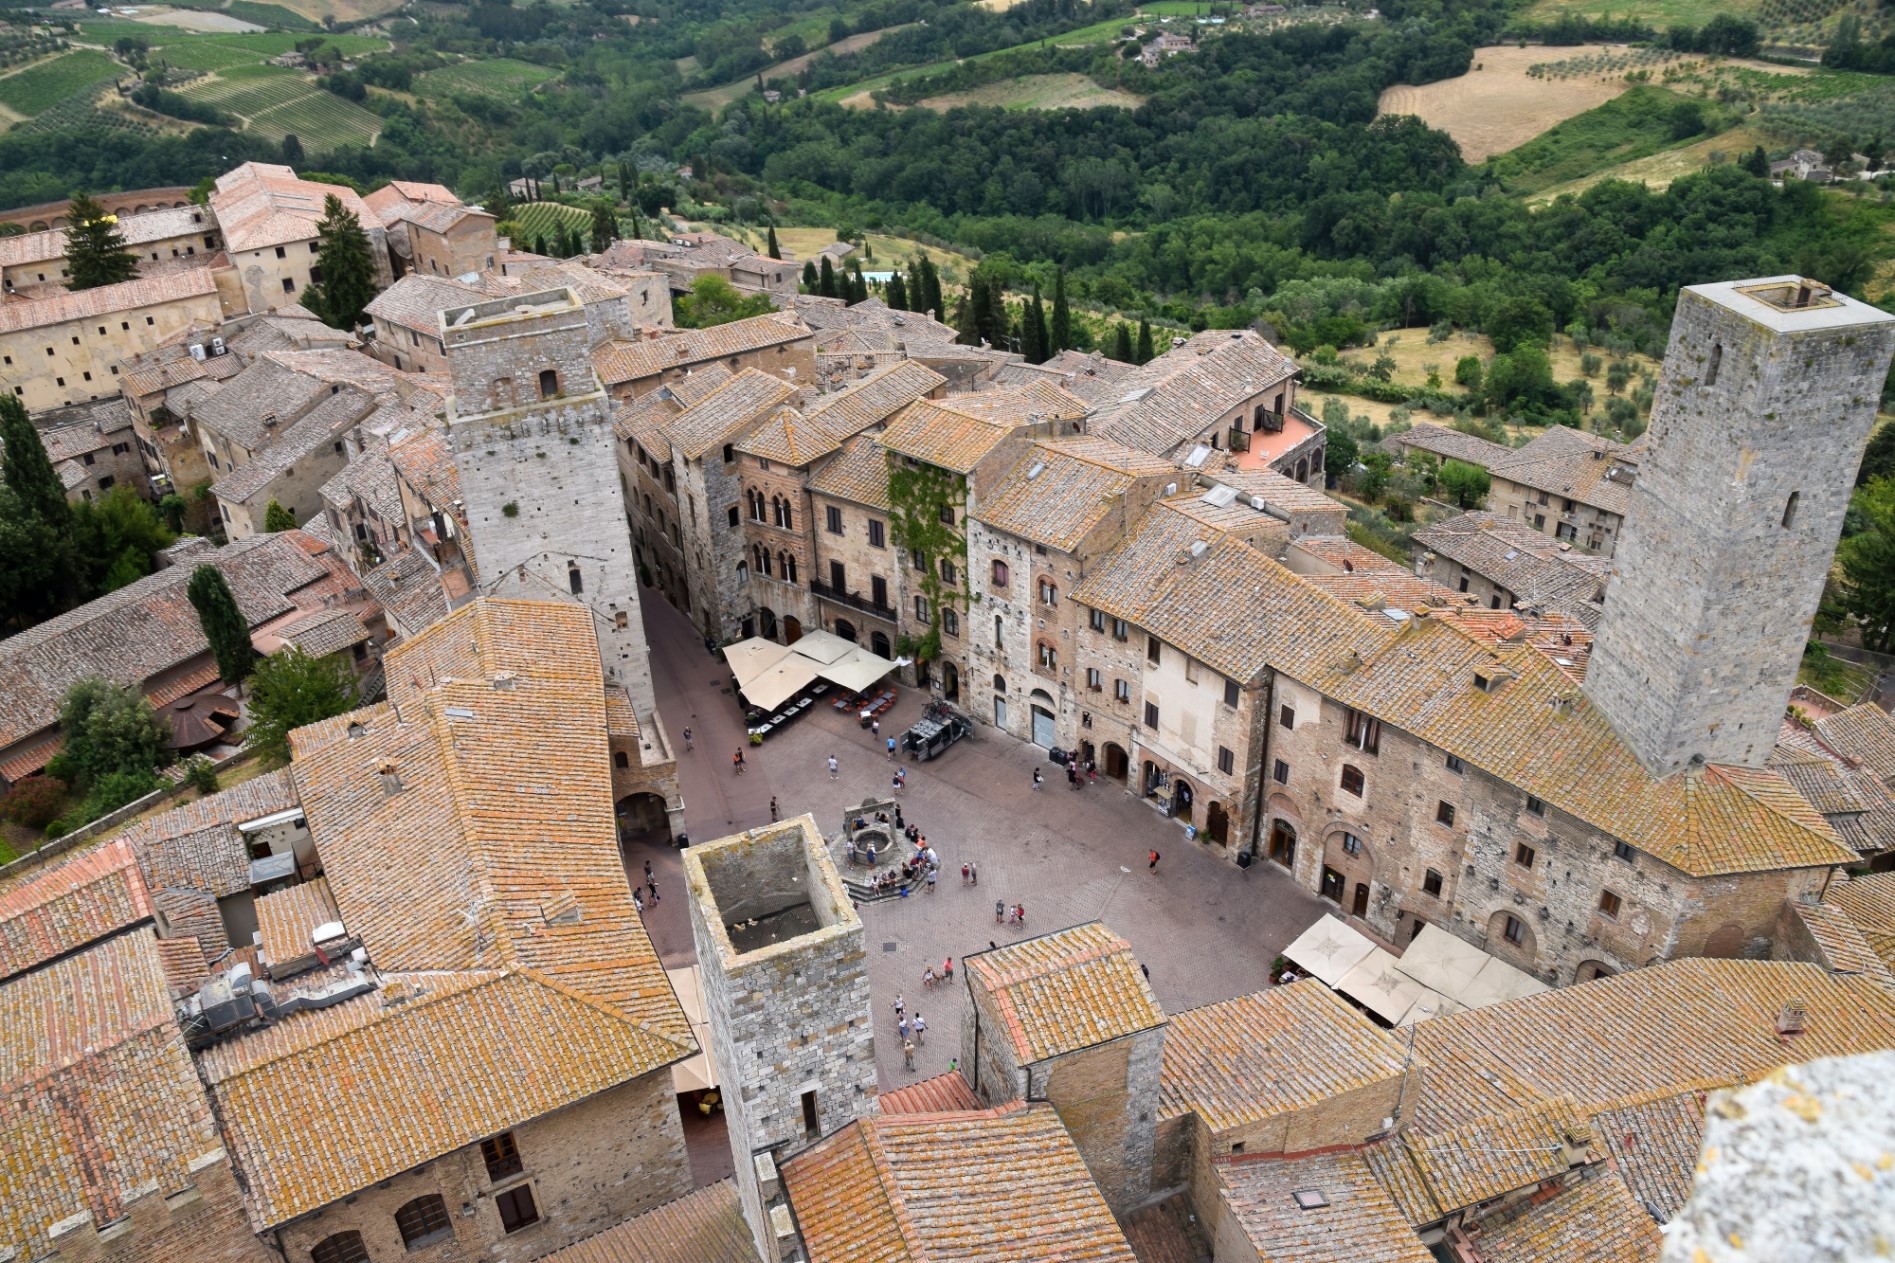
(1726, 942)
(792, 629)
(1589, 970)
(641, 818)
(766, 620)
(1117, 762)
(1182, 797)
(878, 644)
(950, 682)
(1217, 823)
(1042, 705)
(1347, 857)
(1283, 843)
(845, 629)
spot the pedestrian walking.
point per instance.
(934, 861)
(832, 767)
(875, 728)
(647, 870)
(1145, 969)
(973, 874)
(901, 779)
(652, 885)
(1153, 866)
(927, 982)
(1036, 778)
(638, 905)
(906, 1026)
(898, 820)
(921, 1029)
(687, 740)
(931, 872)
(947, 970)
(1092, 772)
(737, 761)
(895, 782)
(891, 747)
(908, 1054)
(773, 807)
(965, 869)
(1000, 911)
(901, 1006)
(1019, 914)
(1072, 777)
(954, 1065)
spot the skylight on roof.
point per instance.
(1039, 467)
(1310, 1198)
(1198, 456)
(1220, 497)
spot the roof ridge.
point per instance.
(604, 1006)
(869, 1133)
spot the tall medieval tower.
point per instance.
(531, 430)
(1764, 405)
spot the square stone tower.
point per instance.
(786, 992)
(1764, 405)
(531, 431)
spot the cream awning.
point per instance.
(821, 646)
(857, 669)
(781, 682)
(1328, 950)
(693, 1074)
(1379, 985)
(749, 659)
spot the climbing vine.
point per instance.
(920, 497)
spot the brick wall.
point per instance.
(204, 1222)
(1107, 1096)
(772, 589)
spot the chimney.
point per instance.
(1792, 1020)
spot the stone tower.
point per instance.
(531, 431)
(786, 992)
(1765, 402)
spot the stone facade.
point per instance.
(70, 349)
(651, 493)
(549, 519)
(716, 562)
(203, 1222)
(778, 522)
(467, 245)
(789, 1012)
(585, 1168)
(1766, 400)
(874, 573)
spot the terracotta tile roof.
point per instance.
(368, 481)
(1532, 565)
(183, 962)
(1502, 1152)
(728, 413)
(698, 385)
(1279, 491)
(1594, 1221)
(497, 811)
(957, 432)
(143, 629)
(260, 205)
(409, 591)
(1185, 391)
(312, 433)
(857, 473)
(621, 718)
(1450, 444)
(427, 463)
(1122, 584)
(1006, 1183)
(943, 1094)
(1349, 556)
(1865, 735)
(1065, 991)
(1869, 901)
(707, 1226)
(396, 194)
(99, 1101)
(149, 380)
(51, 911)
(417, 300)
(873, 399)
(1062, 488)
(626, 360)
(198, 845)
(285, 918)
(1357, 1221)
(266, 390)
(1655, 1032)
(85, 304)
(1654, 1147)
(67, 442)
(1857, 804)
(790, 438)
(324, 632)
(643, 421)
(1394, 1165)
(1271, 1052)
(328, 1102)
(137, 229)
(1572, 463)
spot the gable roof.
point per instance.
(625, 360)
(417, 300)
(1357, 1221)
(957, 432)
(199, 846)
(1450, 444)
(1538, 569)
(706, 1226)
(262, 204)
(1865, 735)
(86, 304)
(727, 413)
(57, 909)
(1062, 488)
(1065, 991)
(1183, 392)
(1592, 1221)
(858, 473)
(798, 438)
(1572, 463)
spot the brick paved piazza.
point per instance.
(1206, 929)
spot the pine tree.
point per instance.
(277, 518)
(225, 627)
(605, 228)
(896, 295)
(348, 267)
(810, 284)
(826, 286)
(95, 249)
(1031, 329)
(28, 471)
(1062, 330)
(1145, 352)
(1122, 343)
(775, 251)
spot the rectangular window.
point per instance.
(1535, 806)
(516, 1207)
(1095, 679)
(1121, 630)
(1622, 851)
(1365, 734)
(1353, 782)
(838, 578)
(947, 514)
(832, 518)
(1153, 653)
(289, 285)
(950, 622)
(878, 534)
(1431, 884)
(1281, 772)
(1002, 576)
(502, 1155)
(1455, 765)
(1608, 903)
(1515, 932)
(811, 1126)
(1351, 844)
(1287, 716)
(731, 513)
(878, 590)
(921, 608)
(1122, 690)
(1523, 855)
(1098, 620)
(1226, 761)
(1444, 814)
(920, 562)
(949, 575)
(1232, 694)
(1151, 714)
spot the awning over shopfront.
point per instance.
(693, 1074)
(769, 674)
(1438, 974)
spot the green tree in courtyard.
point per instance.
(224, 624)
(347, 260)
(95, 249)
(290, 690)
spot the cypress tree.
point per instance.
(95, 249)
(1122, 343)
(1062, 330)
(348, 266)
(934, 304)
(1031, 327)
(1145, 351)
(967, 312)
(628, 183)
(1040, 332)
(998, 324)
(826, 286)
(897, 293)
(539, 244)
(224, 624)
(28, 470)
(860, 289)
(605, 228)
(775, 252)
(810, 284)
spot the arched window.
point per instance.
(343, 1247)
(1049, 657)
(549, 383)
(789, 566)
(763, 562)
(1789, 508)
(1000, 684)
(573, 580)
(1001, 574)
(1716, 362)
(424, 1221)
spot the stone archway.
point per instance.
(950, 682)
(1346, 855)
(1282, 845)
(1117, 762)
(1726, 942)
(1217, 823)
(766, 622)
(792, 629)
(1511, 938)
(845, 629)
(1591, 970)
(1183, 799)
(879, 645)
(641, 818)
